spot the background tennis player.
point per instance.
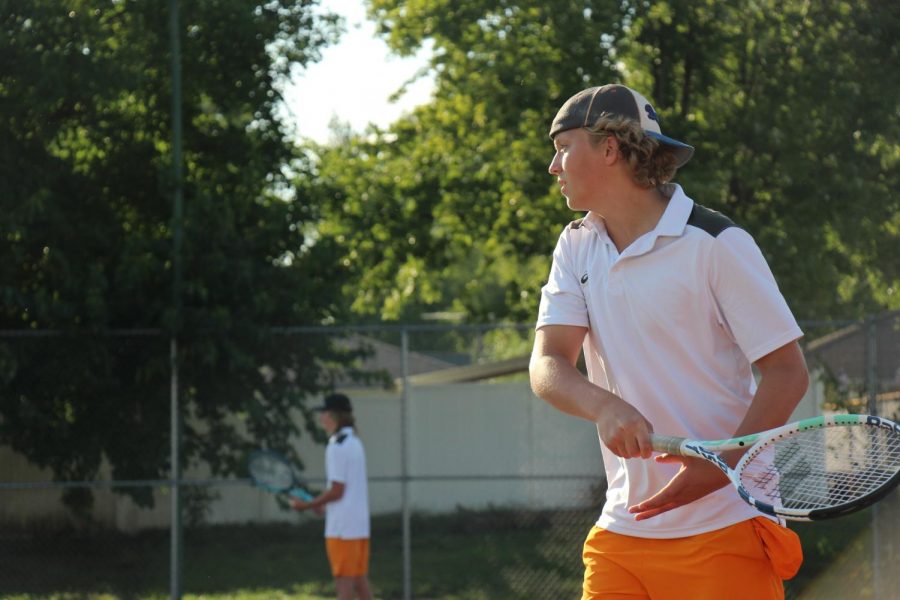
(345, 501)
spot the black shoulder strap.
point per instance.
(708, 220)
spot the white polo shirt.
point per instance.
(345, 462)
(674, 324)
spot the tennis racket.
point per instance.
(818, 468)
(274, 473)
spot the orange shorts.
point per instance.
(747, 560)
(348, 558)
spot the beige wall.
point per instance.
(472, 429)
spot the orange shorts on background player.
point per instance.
(348, 558)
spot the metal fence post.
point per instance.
(177, 218)
(872, 409)
(404, 463)
(175, 526)
(871, 367)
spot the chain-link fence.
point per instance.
(855, 368)
(478, 489)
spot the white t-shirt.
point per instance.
(674, 323)
(345, 462)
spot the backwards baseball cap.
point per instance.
(612, 100)
(335, 402)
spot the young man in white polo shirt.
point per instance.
(345, 502)
(671, 304)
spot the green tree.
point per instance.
(85, 90)
(790, 105)
(792, 108)
(449, 208)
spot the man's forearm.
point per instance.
(335, 492)
(783, 382)
(557, 381)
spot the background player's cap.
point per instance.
(584, 108)
(336, 402)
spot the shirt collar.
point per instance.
(594, 222)
(343, 431)
(672, 222)
(677, 212)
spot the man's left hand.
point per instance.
(695, 479)
(298, 504)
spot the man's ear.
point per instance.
(611, 150)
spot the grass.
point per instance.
(494, 555)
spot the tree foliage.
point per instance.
(791, 106)
(448, 209)
(86, 125)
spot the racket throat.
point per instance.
(711, 457)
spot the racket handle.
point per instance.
(669, 444)
(301, 494)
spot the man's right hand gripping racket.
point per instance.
(818, 468)
(274, 473)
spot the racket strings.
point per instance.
(271, 472)
(823, 467)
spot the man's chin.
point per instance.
(573, 205)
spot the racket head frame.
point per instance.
(756, 443)
(829, 512)
(273, 457)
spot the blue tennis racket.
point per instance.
(274, 473)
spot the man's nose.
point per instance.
(553, 169)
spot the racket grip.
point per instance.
(669, 444)
(301, 494)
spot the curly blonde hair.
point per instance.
(652, 164)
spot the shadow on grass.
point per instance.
(468, 555)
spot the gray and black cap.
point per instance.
(584, 108)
